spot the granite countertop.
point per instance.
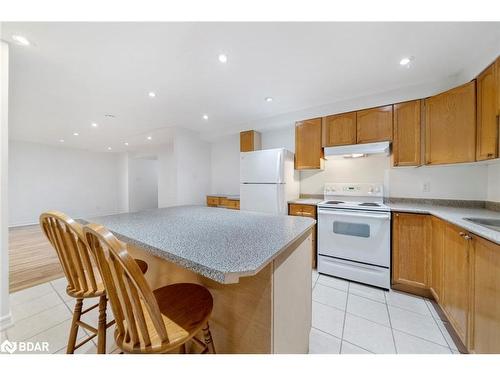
(455, 215)
(220, 244)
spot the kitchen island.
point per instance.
(257, 267)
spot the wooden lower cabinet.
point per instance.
(306, 210)
(460, 270)
(437, 253)
(411, 238)
(457, 280)
(486, 302)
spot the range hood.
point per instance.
(358, 150)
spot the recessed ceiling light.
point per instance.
(149, 138)
(269, 99)
(406, 61)
(76, 134)
(109, 148)
(126, 143)
(21, 40)
(205, 117)
(223, 58)
(95, 125)
(151, 94)
(61, 140)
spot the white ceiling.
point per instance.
(75, 73)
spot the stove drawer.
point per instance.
(362, 273)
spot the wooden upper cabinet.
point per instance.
(450, 126)
(411, 235)
(250, 140)
(457, 280)
(406, 143)
(486, 305)
(374, 125)
(437, 252)
(488, 113)
(308, 149)
(339, 130)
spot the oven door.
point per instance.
(362, 236)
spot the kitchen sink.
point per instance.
(489, 223)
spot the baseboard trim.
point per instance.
(6, 322)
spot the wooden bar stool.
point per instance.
(84, 280)
(149, 321)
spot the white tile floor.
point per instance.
(351, 318)
(348, 318)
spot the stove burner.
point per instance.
(370, 204)
(333, 202)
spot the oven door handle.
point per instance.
(383, 216)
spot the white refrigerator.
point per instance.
(268, 181)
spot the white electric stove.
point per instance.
(354, 233)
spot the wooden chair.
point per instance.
(84, 281)
(149, 321)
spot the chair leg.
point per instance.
(101, 326)
(207, 335)
(73, 333)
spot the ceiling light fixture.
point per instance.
(109, 148)
(205, 117)
(21, 40)
(223, 58)
(149, 138)
(152, 94)
(126, 143)
(94, 125)
(269, 99)
(76, 134)
(61, 140)
(406, 61)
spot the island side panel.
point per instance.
(241, 321)
(292, 300)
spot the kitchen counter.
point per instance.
(256, 266)
(220, 244)
(454, 215)
(308, 201)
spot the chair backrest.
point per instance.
(126, 287)
(66, 237)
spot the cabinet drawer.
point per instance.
(232, 204)
(302, 210)
(213, 201)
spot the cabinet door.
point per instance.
(374, 125)
(308, 150)
(450, 126)
(437, 252)
(406, 144)
(456, 280)
(250, 141)
(487, 114)
(410, 249)
(306, 211)
(339, 129)
(486, 306)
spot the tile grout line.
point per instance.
(345, 316)
(390, 323)
(421, 338)
(440, 330)
(357, 346)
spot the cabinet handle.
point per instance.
(467, 237)
(461, 234)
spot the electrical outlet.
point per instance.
(426, 187)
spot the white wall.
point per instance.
(225, 169)
(192, 162)
(79, 183)
(5, 316)
(493, 194)
(142, 184)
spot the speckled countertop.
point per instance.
(455, 215)
(309, 201)
(220, 244)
